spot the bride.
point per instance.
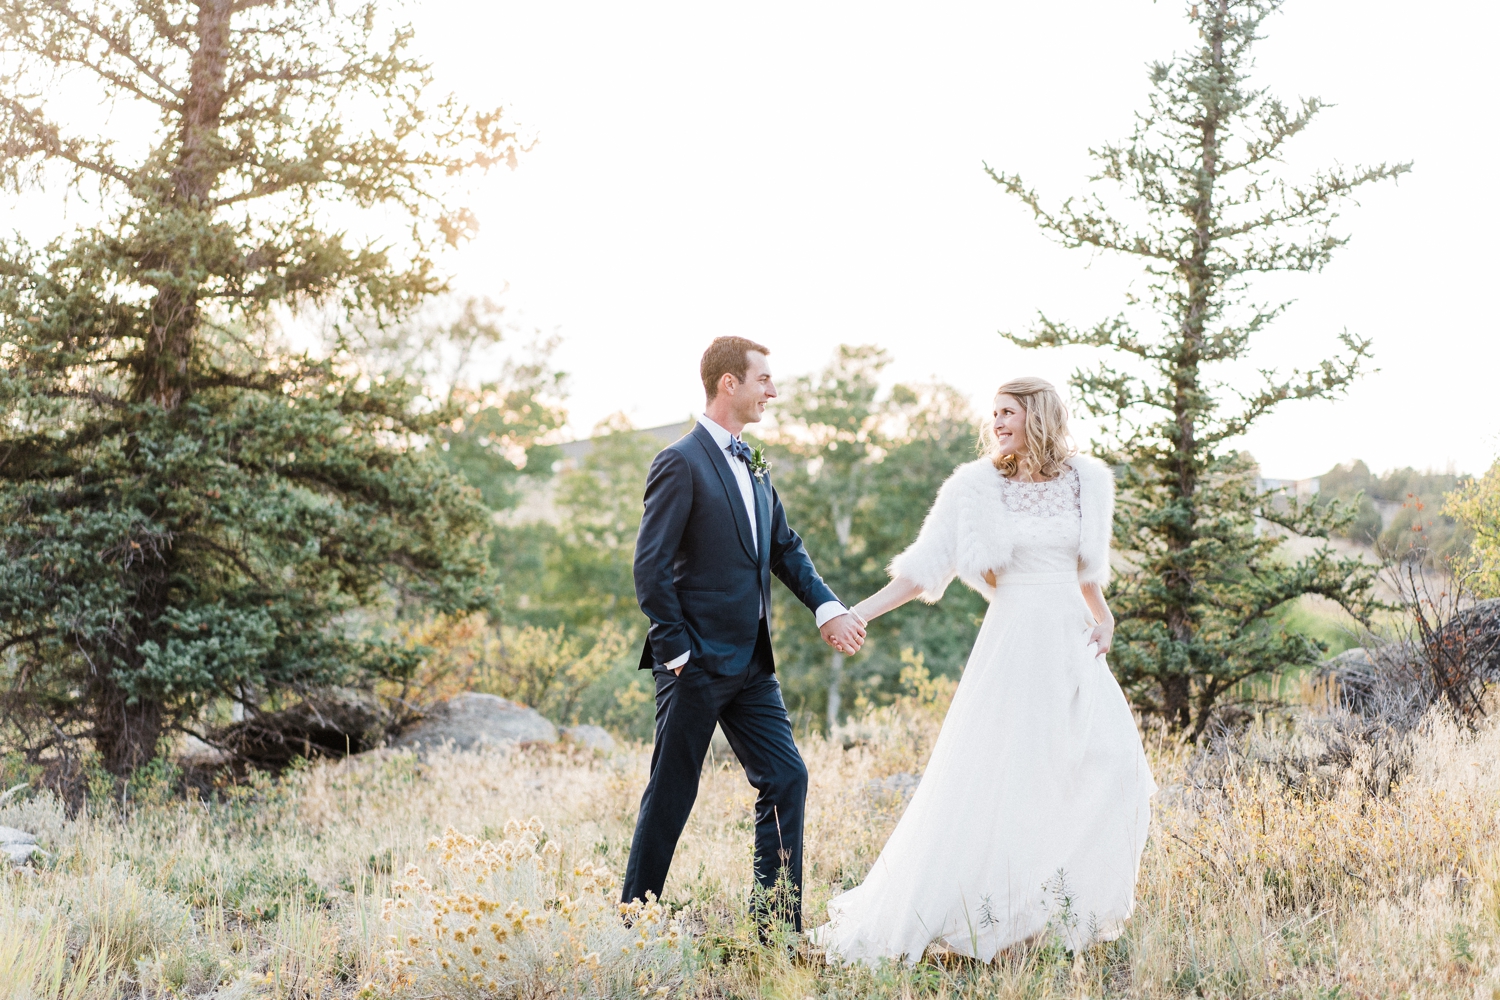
(1033, 810)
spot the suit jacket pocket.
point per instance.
(721, 620)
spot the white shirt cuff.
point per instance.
(828, 611)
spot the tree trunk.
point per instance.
(125, 734)
(1187, 405)
(164, 369)
(1176, 700)
(128, 726)
(1206, 699)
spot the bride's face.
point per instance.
(1010, 424)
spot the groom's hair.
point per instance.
(726, 355)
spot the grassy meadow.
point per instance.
(1307, 856)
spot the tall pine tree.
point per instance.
(187, 511)
(1207, 208)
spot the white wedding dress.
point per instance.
(1033, 811)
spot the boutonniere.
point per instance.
(760, 466)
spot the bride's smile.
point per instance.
(1010, 425)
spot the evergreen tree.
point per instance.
(187, 510)
(1207, 210)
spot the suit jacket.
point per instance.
(699, 576)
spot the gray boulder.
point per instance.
(1385, 684)
(1355, 673)
(18, 846)
(19, 854)
(590, 737)
(40, 818)
(471, 720)
(1472, 637)
(194, 753)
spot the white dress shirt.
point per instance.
(827, 610)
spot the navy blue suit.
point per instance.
(701, 579)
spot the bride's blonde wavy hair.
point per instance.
(1048, 443)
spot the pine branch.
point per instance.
(1074, 230)
(1230, 342)
(1106, 391)
(1276, 127)
(117, 43)
(191, 540)
(25, 133)
(1303, 204)
(1329, 380)
(1116, 333)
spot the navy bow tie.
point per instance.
(739, 449)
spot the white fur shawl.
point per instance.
(968, 529)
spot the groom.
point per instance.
(713, 533)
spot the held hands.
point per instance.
(846, 633)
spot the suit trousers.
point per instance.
(748, 706)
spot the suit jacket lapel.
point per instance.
(762, 519)
(731, 487)
(763, 536)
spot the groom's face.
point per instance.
(751, 396)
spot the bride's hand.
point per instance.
(1103, 636)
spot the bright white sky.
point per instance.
(809, 174)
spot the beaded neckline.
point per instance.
(1050, 498)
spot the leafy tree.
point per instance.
(188, 510)
(551, 670)
(933, 432)
(1476, 506)
(831, 427)
(1207, 210)
(500, 425)
(590, 552)
(570, 576)
(857, 470)
(501, 432)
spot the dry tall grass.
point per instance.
(1292, 862)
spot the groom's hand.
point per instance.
(846, 633)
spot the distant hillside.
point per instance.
(1397, 510)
